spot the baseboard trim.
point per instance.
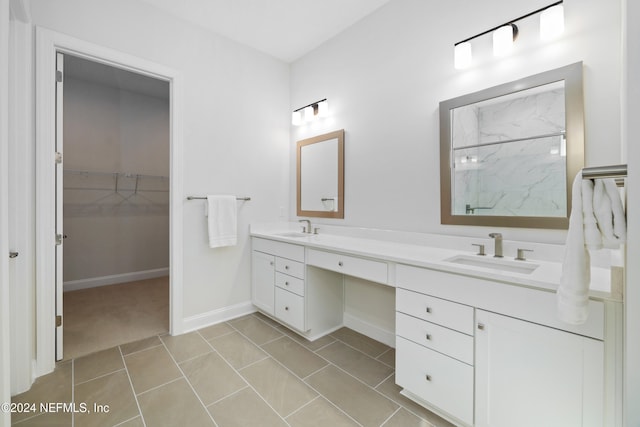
(217, 316)
(372, 331)
(93, 282)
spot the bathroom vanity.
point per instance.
(477, 339)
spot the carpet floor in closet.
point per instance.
(106, 316)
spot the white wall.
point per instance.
(384, 78)
(631, 130)
(112, 233)
(5, 373)
(236, 128)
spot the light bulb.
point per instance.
(462, 55)
(323, 109)
(308, 113)
(552, 22)
(296, 118)
(503, 40)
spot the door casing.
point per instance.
(48, 44)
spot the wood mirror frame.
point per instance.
(339, 212)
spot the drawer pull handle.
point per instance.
(428, 337)
(340, 263)
(428, 309)
(481, 326)
(427, 377)
(286, 308)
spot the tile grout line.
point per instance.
(391, 416)
(98, 377)
(245, 380)
(385, 379)
(133, 390)
(305, 405)
(229, 395)
(189, 383)
(126, 421)
(158, 386)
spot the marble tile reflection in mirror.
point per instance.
(508, 153)
(320, 176)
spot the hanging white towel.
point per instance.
(222, 220)
(611, 220)
(597, 220)
(573, 292)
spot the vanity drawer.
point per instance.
(444, 340)
(292, 268)
(443, 382)
(285, 250)
(375, 271)
(442, 312)
(290, 283)
(290, 308)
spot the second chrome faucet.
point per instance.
(497, 237)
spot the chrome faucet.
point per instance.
(497, 252)
(306, 229)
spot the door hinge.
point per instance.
(58, 239)
(58, 321)
(58, 157)
(59, 76)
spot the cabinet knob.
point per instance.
(427, 377)
(286, 267)
(340, 263)
(428, 309)
(286, 308)
(428, 337)
(481, 326)
(271, 263)
(286, 283)
(13, 254)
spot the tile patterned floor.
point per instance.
(246, 372)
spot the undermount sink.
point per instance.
(292, 234)
(521, 267)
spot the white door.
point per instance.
(59, 189)
(529, 375)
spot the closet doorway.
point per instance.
(113, 202)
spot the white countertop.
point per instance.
(545, 277)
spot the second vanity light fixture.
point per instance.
(551, 26)
(310, 112)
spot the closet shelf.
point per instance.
(115, 181)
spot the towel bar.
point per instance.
(618, 172)
(244, 199)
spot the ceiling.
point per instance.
(285, 29)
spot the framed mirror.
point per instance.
(508, 154)
(320, 176)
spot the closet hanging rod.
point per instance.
(245, 199)
(123, 174)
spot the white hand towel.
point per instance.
(617, 233)
(592, 236)
(573, 292)
(222, 220)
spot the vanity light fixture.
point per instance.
(551, 25)
(310, 112)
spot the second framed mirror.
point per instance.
(320, 176)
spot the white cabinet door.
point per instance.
(532, 375)
(263, 273)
